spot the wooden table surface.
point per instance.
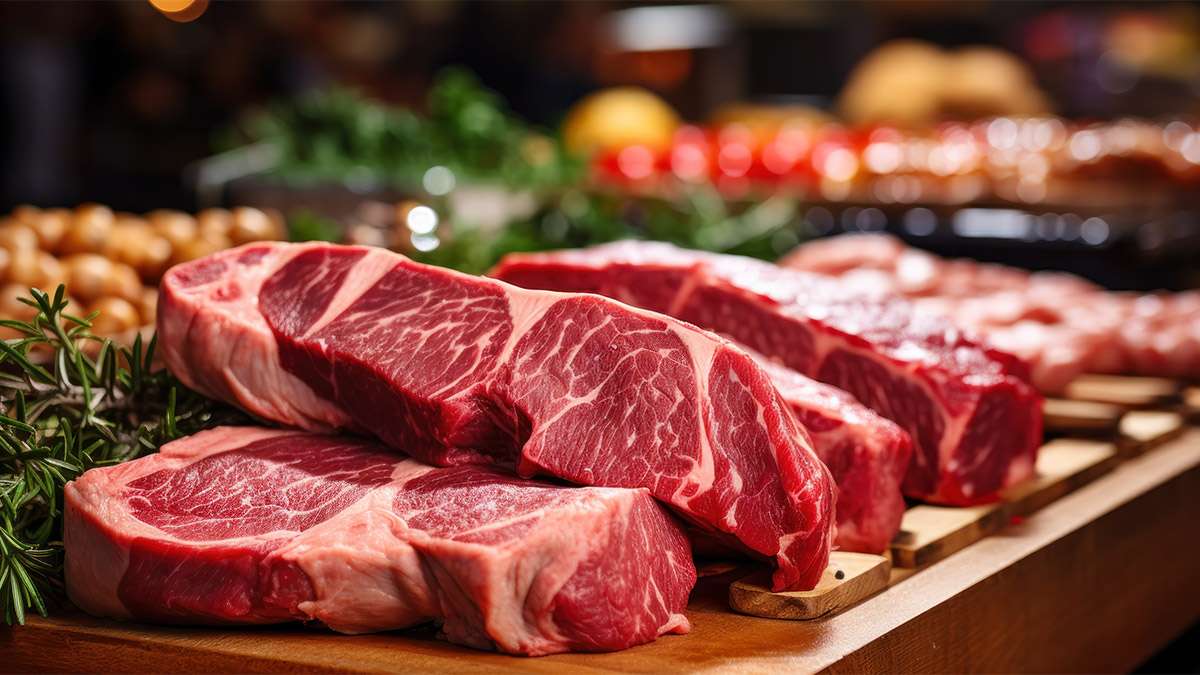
(1096, 581)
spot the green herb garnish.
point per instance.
(71, 401)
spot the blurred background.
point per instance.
(110, 101)
(1039, 134)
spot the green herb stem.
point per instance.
(71, 401)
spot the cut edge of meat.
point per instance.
(187, 334)
(867, 454)
(366, 568)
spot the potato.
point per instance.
(5, 264)
(74, 308)
(116, 316)
(138, 245)
(10, 307)
(279, 229)
(179, 230)
(196, 248)
(24, 271)
(123, 282)
(26, 214)
(50, 226)
(18, 238)
(215, 224)
(122, 241)
(37, 269)
(125, 218)
(148, 306)
(175, 226)
(89, 230)
(88, 276)
(252, 225)
(149, 256)
(54, 273)
(95, 213)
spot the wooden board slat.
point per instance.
(1143, 430)
(1131, 392)
(849, 579)
(1063, 465)
(1079, 585)
(1066, 416)
(930, 533)
(1101, 599)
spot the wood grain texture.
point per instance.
(1143, 430)
(1063, 465)
(849, 579)
(930, 533)
(1130, 392)
(1095, 581)
(1066, 416)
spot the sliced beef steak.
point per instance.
(252, 526)
(867, 455)
(456, 369)
(974, 419)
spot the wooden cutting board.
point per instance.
(1127, 391)
(1064, 465)
(1097, 581)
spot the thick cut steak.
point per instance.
(867, 455)
(251, 526)
(974, 419)
(456, 369)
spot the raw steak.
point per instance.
(251, 526)
(974, 419)
(456, 369)
(1061, 324)
(867, 455)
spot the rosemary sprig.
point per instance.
(71, 401)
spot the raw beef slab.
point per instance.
(974, 419)
(867, 455)
(253, 526)
(1061, 324)
(456, 369)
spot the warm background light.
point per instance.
(182, 11)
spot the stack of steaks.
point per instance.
(525, 467)
(973, 416)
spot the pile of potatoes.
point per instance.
(110, 261)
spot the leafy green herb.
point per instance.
(577, 218)
(338, 135)
(305, 225)
(71, 401)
